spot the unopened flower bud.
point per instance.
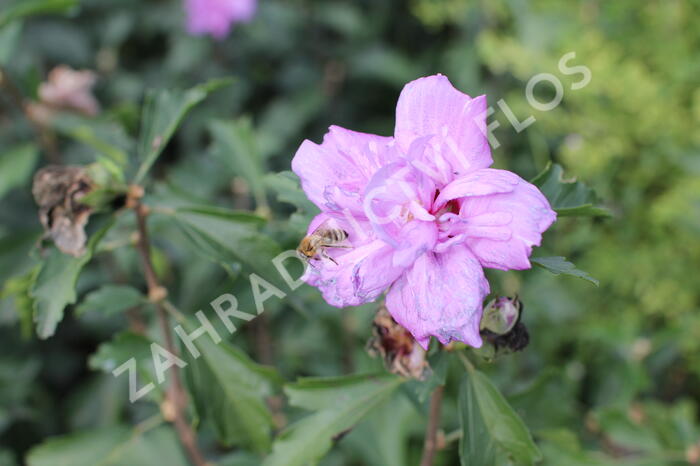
(501, 315)
(501, 325)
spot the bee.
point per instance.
(317, 242)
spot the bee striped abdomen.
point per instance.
(334, 235)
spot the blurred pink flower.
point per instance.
(423, 212)
(215, 17)
(69, 89)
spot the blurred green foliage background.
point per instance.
(612, 374)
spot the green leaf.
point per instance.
(568, 197)
(229, 389)
(24, 8)
(9, 36)
(142, 445)
(382, 438)
(236, 146)
(16, 167)
(239, 458)
(54, 287)
(559, 265)
(561, 446)
(476, 446)
(339, 402)
(163, 111)
(286, 185)
(18, 288)
(104, 136)
(111, 299)
(229, 239)
(122, 347)
(491, 429)
(239, 216)
(439, 362)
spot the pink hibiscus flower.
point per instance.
(423, 211)
(215, 17)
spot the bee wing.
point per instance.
(327, 224)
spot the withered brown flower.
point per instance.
(57, 191)
(64, 89)
(67, 88)
(401, 353)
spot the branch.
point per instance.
(157, 294)
(430, 445)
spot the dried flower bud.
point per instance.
(401, 353)
(57, 191)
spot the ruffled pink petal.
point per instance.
(335, 173)
(363, 270)
(456, 124)
(501, 217)
(417, 238)
(396, 195)
(441, 296)
(478, 183)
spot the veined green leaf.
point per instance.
(54, 287)
(229, 389)
(339, 402)
(240, 216)
(106, 137)
(491, 428)
(163, 111)
(236, 146)
(476, 446)
(143, 445)
(122, 347)
(559, 265)
(231, 240)
(568, 197)
(286, 185)
(111, 299)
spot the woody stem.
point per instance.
(157, 294)
(430, 443)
